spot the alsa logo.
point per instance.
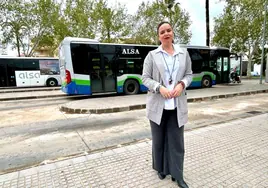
(29, 75)
(130, 51)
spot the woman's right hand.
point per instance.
(165, 92)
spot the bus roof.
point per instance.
(69, 40)
(15, 57)
(204, 47)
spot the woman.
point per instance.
(166, 73)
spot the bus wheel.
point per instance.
(52, 82)
(206, 82)
(131, 87)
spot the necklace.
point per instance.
(170, 74)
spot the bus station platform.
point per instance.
(227, 155)
(133, 102)
(27, 89)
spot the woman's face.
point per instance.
(165, 34)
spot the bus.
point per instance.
(89, 67)
(29, 71)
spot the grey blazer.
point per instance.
(154, 73)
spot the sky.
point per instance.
(196, 9)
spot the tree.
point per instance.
(47, 14)
(24, 23)
(79, 18)
(112, 23)
(13, 23)
(240, 27)
(149, 15)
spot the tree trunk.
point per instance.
(18, 44)
(251, 54)
(108, 35)
(207, 23)
(249, 66)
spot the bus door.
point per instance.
(235, 64)
(3, 75)
(102, 73)
(11, 68)
(223, 68)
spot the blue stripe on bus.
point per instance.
(72, 88)
(195, 84)
(120, 89)
(143, 88)
(198, 83)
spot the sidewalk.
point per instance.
(134, 102)
(233, 154)
(31, 95)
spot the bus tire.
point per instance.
(52, 82)
(131, 87)
(206, 82)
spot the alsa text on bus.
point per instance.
(29, 75)
(130, 51)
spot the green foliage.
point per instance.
(13, 22)
(257, 56)
(24, 23)
(112, 23)
(149, 15)
(42, 24)
(240, 27)
(78, 18)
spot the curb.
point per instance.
(30, 90)
(143, 106)
(31, 97)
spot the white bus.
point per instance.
(29, 71)
(88, 66)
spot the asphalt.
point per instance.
(133, 102)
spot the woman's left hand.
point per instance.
(177, 90)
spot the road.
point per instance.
(35, 131)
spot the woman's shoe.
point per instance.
(182, 184)
(161, 176)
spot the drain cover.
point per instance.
(254, 112)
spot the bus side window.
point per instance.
(80, 59)
(130, 66)
(219, 64)
(225, 63)
(29, 64)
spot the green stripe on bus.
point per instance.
(198, 78)
(64, 83)
(121, 83)
(81, 82)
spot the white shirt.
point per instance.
(170, 104)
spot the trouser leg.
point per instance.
(158, 143)
(175, 144)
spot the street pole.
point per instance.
(266, 72)
(263, 40)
